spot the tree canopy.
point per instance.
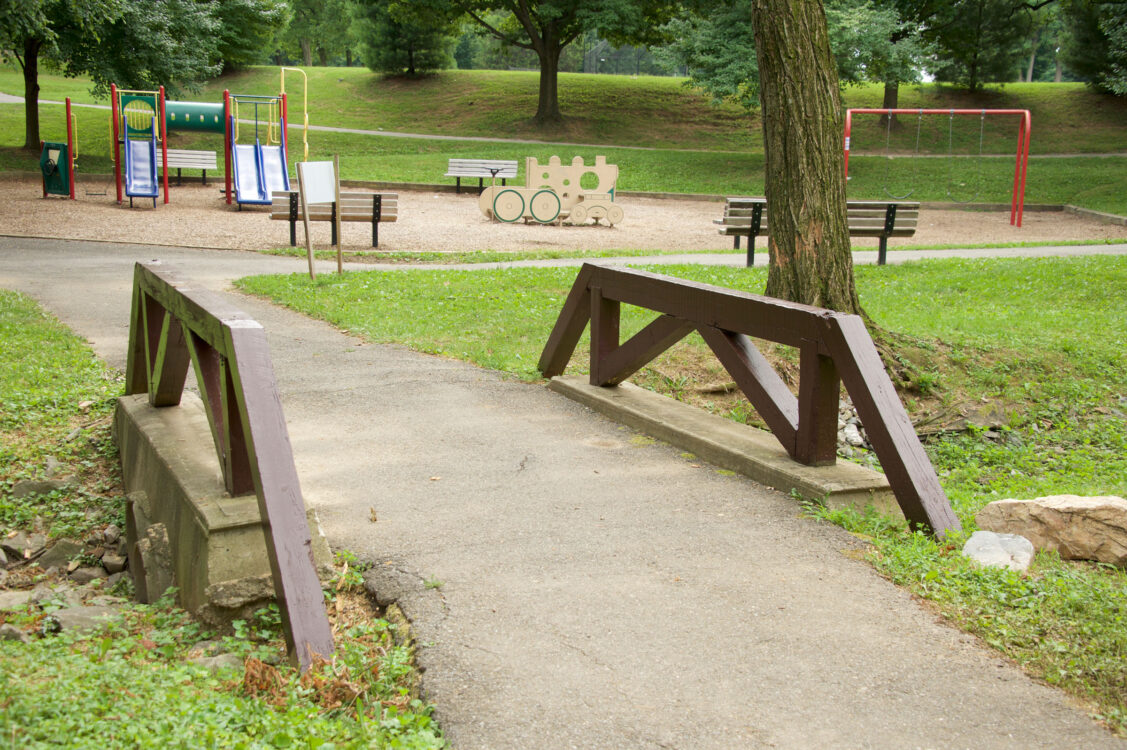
(142, 44)
(547, 26)
(396, 39)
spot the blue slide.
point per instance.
(141, 169)
(259, 171)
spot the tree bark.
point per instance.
(31, 92)
(548, 104)
(307, 53)
(810, 259)
(891, 100)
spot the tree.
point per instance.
(978, 41)
(246, 28)
(809, 247)
(714, 40)
(1096, 46)
(317, 26)
(547, 26)
(395, 39)
(135, 44)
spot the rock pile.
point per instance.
(102, 555)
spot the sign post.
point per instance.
(317, 183)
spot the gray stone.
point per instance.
(14, 600)
(88, 574)
(156, 574)
(853, 435)
(12, 633)
(61, 595)
(205, 648)
(999, 550)
(22, 545)
(1078, 528)
(3, 558)
(33, 487)
(61, 553)
(113, 563)
(116, 578)
(105, 600)
(86, 619)
(112, 534)
(218, 663)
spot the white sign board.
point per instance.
(320, 181)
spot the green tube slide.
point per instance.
(199, 116)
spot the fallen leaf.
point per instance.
(435, 479)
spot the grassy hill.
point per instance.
(691, 144)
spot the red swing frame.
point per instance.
(1021, 163)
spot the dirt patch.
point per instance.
(197, 216)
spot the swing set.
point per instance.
(1021, 164)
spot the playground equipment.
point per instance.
(143, 119)
(259, 169)
(139, 126)
(555, 192)
(1021, 165)
(57, 160)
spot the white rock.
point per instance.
(995, 550)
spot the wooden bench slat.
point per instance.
(863, 219)
(354, 206)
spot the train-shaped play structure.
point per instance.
(555, 193)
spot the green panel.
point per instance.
(200, 116)
(135, 124)
(53, 163)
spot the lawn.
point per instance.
(134, 684)
(688, 144)
(981, 334)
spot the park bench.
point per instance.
(482, 169)
(747, 217)
(355, 206)
(186, 159)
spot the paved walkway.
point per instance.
(597, 591)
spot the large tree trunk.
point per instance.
(31, 93)
(810, 259)
(548, 105)
(307, 53)
(891, 100)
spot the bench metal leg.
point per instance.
(293, 219)
(736, 242)
(750, 250)
(457, 184)
(883, 250)
(377, 210)
(204, 176)
(333, 221)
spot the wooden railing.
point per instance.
(834, 348)
(174, 324)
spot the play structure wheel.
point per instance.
(508, 206)
(544, 206)
(578, 214)
(614, 214)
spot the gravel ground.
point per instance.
(429, 221)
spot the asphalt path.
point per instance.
(572, 585)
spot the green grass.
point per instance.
(57, 401)
(1036, 338)
(643, 111)
(702, 148)
(133, 685)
